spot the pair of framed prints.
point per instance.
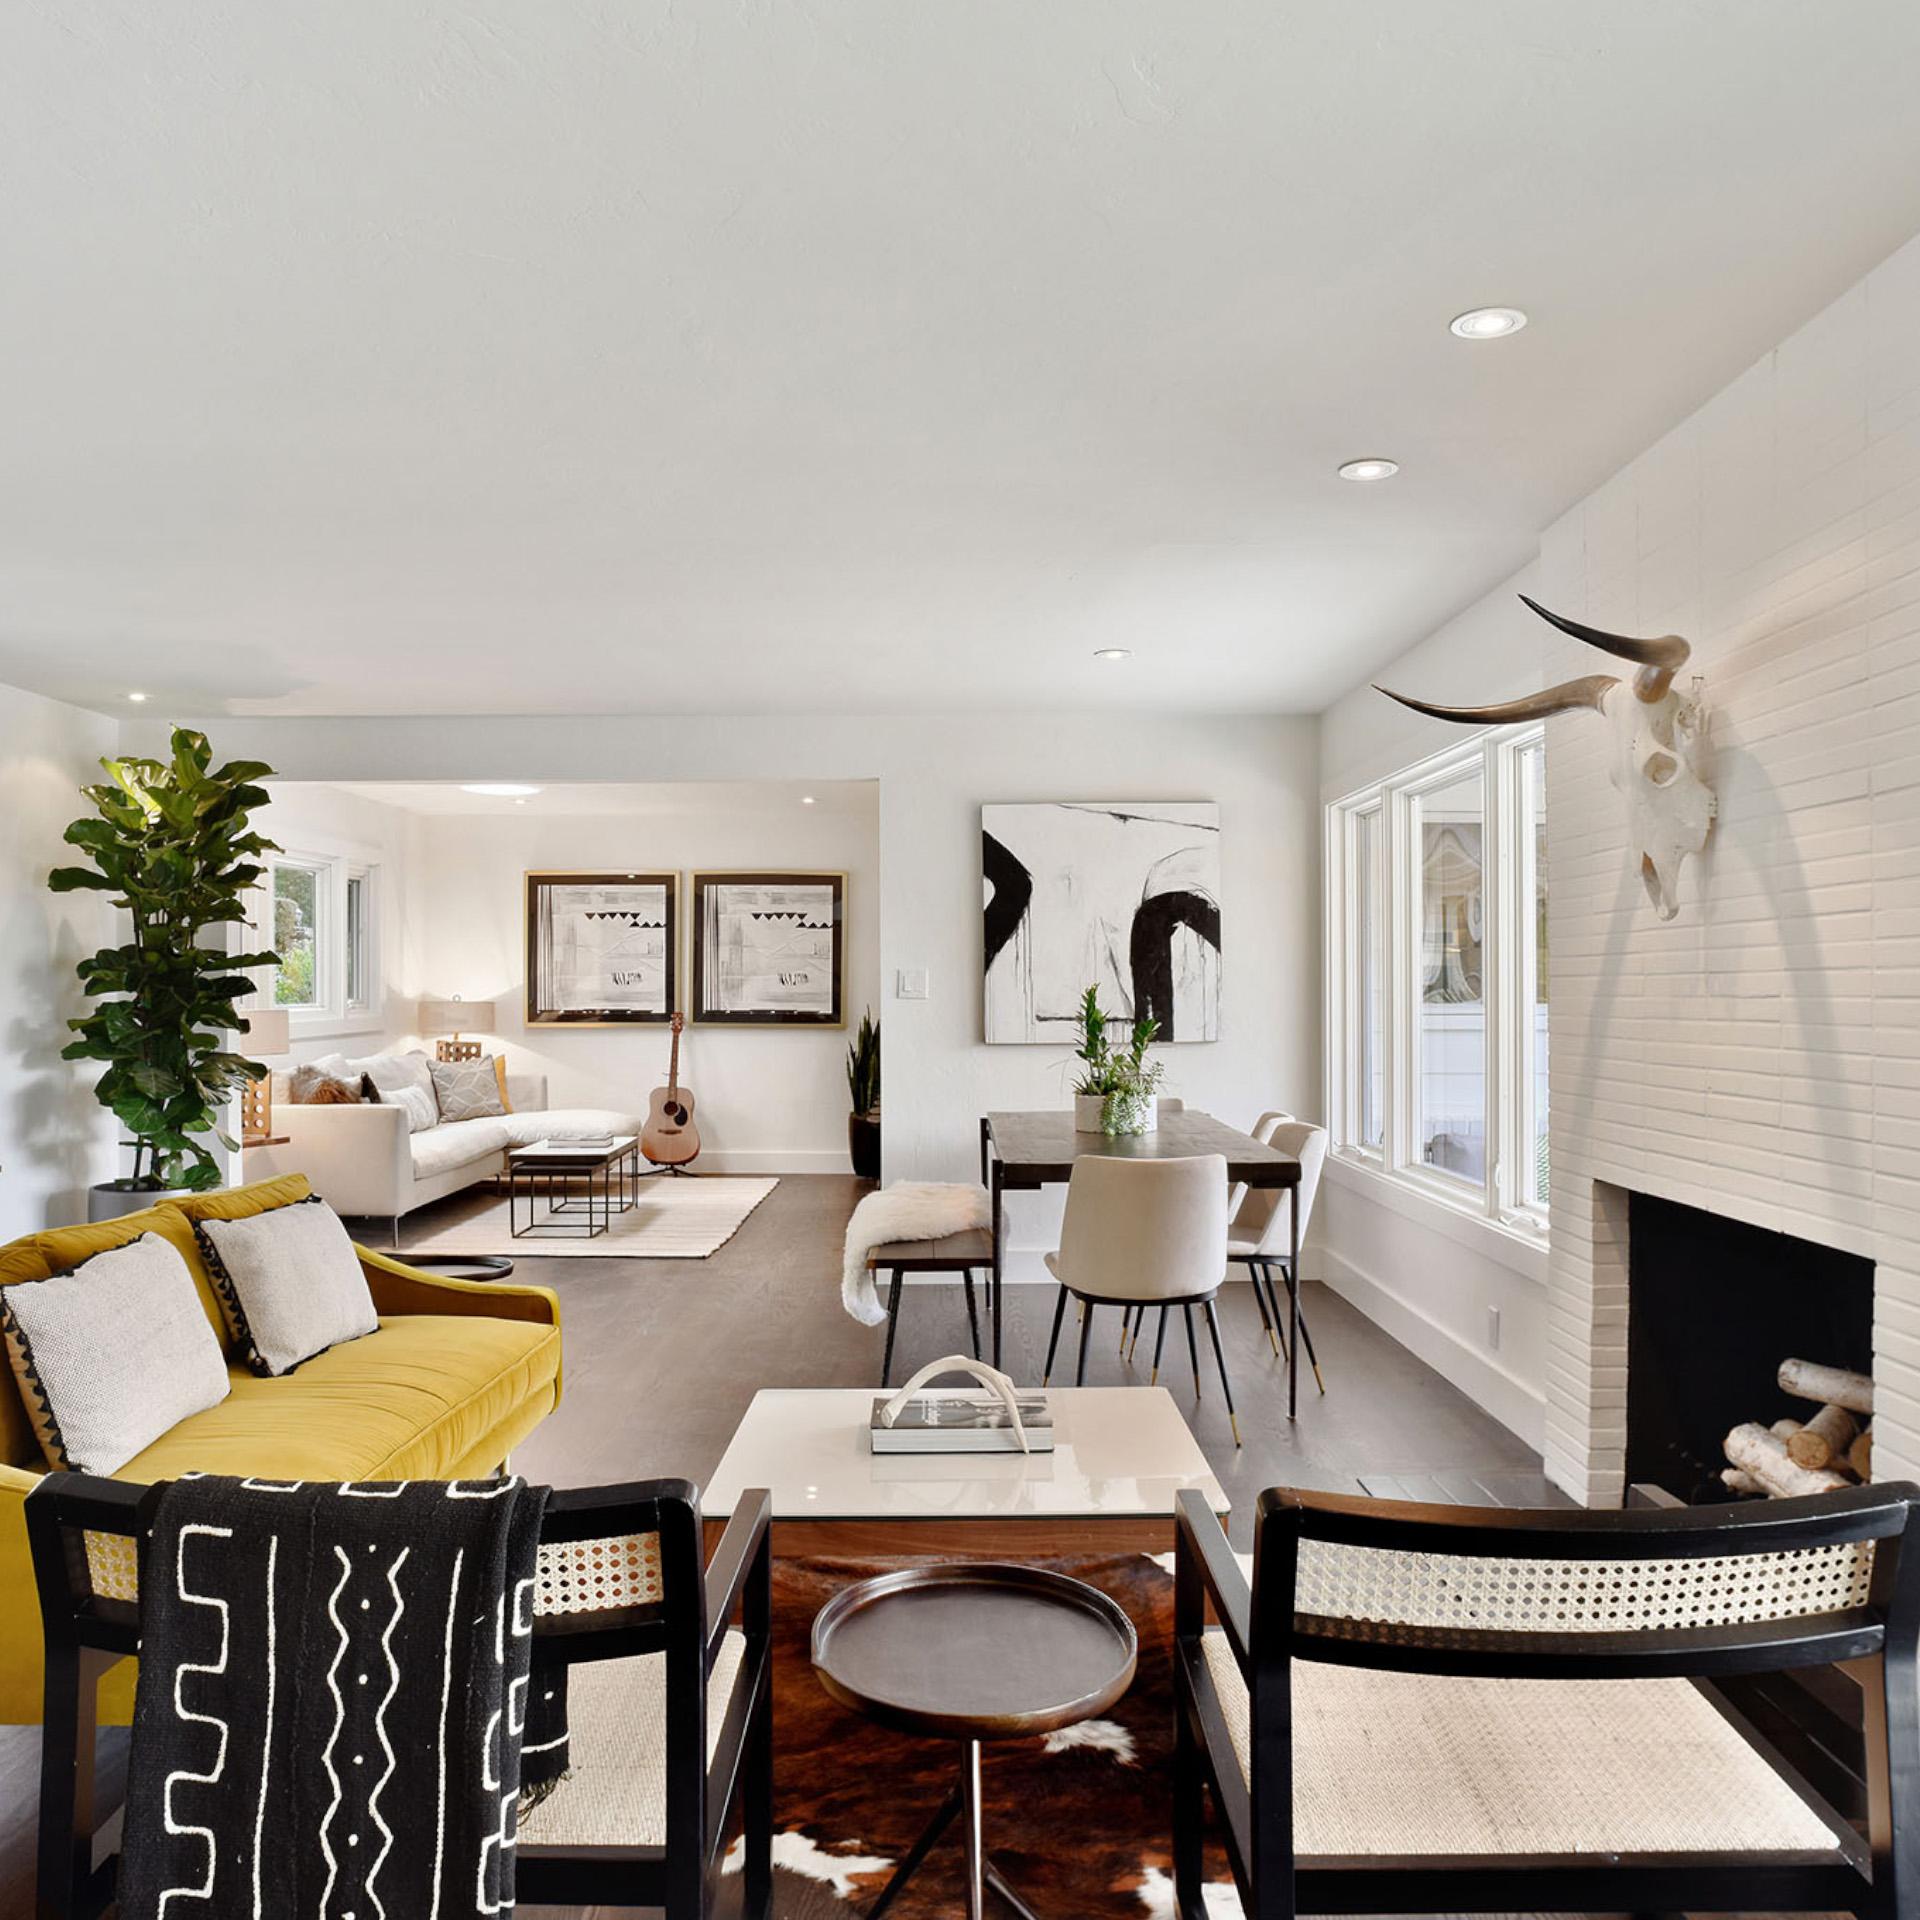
(768, 949)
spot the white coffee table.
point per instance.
(1122, 1455)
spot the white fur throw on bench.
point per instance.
(907, 1210)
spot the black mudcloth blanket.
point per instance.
(332, 1701)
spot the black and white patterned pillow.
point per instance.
(467, 1089)
(291, 1282)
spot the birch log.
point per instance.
(1824, 1440)
(1764, 1455)
(1838, 1386)
(1739, 1480)
(1784, 1429)
(1860, 1455)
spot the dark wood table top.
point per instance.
(1040, 1148)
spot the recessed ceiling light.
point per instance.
(1372, 468)
(1488, 323)
(520, 800)
(806, 799)
(500, 789)
(136, 698)
(1113, 653)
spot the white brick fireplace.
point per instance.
(1758, 1056)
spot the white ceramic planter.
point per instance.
(1087, 1111)
(108, 1202)
(1125, 1115)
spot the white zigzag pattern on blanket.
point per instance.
(180, 1777)
(380, 1730)
(339, 1720)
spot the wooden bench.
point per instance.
(953, 1253)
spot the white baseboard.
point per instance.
(1511, 1401)
(773, 1160)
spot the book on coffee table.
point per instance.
(957, 1421)
(581, 1143)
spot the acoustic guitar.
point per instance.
(669, 1138)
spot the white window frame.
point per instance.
(332, 1014)
(1503, 1199)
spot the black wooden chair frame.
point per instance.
(1878, 1875)
(88, 1633)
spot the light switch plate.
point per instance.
(911, 984)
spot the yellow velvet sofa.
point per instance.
(458, 1374)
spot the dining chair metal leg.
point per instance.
(1262, 1271)
(893, 1327)
(1220, 1356)
(973, 1310)
(1159, 1341)
(1306, 1335)
(1086, 1335)
(1260, 1301)
(1193, 1348)
(1053, 1345)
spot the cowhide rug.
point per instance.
(1080, 1822)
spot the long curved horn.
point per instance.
(1568, 697)
(1658, 660)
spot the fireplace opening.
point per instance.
(1714, 1306)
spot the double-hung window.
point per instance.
(1437, 976)
(319, 918)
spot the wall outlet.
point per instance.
(911, 984)
(1493, 1328)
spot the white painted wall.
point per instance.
(934, 772)
(768, 1100)
(55, 1139)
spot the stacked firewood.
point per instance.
(1832, 1447)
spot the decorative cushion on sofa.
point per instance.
(95, 1396)
(459, 1143)
(467, 1089)
(292, 1282)
(422, 1114)
(387, 1071)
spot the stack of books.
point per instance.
(959, 1421)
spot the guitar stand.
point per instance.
(682, 1172)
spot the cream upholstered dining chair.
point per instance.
(1142, 1233)
(1426, 1709)
(1261, 1237)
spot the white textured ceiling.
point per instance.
(389, 356)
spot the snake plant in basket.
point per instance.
(173, 846)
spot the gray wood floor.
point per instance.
(662, 1358)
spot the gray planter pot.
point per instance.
(109, 1200)
(1087, 1111)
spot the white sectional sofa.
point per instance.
(363, 1160)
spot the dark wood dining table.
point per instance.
(1022, 1152)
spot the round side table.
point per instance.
(972, 1653)
(458, 1266)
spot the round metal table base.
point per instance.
(983, 1876)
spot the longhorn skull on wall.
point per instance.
(1659, 741)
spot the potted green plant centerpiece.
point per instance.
(863, 1087)
(171, 841)
(1117, 1090)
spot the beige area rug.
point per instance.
(672, 1220)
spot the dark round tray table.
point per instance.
(458, 1266)
(972, 1652)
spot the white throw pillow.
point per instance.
(389, 1072)
(291, 1281)
(421, 1109)
(113, 1354)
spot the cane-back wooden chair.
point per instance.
(670, 1715)
(1418, 1709)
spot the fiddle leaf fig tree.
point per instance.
(173, 844)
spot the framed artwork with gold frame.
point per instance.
(769, 948)
(602, 948)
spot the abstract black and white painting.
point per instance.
(768, 948)
(1119, 895)
(600, 947)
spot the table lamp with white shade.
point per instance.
(452, 1020)
(265, 1035)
